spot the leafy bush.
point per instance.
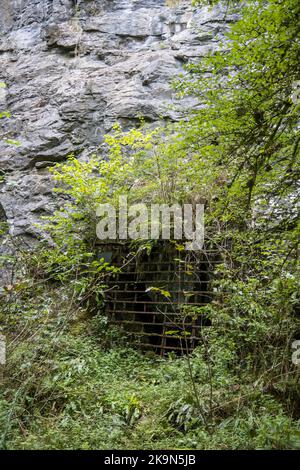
(73, 381)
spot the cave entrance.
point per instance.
(154, 295)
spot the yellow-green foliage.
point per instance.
(173, 3)
(71, 383)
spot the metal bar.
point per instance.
(172, 261)
(156, 347)
(160, 272)
(173, 281)
(196, 304)
(127, 308)
(157, 335)
(175, 325)
(155, 313)
(193, 292)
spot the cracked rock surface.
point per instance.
(74, 68)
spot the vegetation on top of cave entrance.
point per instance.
(74, 381)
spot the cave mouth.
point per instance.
(156, 296)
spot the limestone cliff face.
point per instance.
(72, 69)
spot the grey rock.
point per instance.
(72, 72)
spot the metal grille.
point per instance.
(152, 295)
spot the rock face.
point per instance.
(73, 68)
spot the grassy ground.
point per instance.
(67, 392)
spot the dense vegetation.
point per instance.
(72, 380)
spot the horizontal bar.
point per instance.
(142, 312)
(163, 348)
(169, 324)
(169, 263)
(195, 292)
(190, 273)
(143, 281)
(154, 302)
(174, 261)
(157, 335)
(172, 301)
(167, 246)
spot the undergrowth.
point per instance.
(74, 382)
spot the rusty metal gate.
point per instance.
(154, 295)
